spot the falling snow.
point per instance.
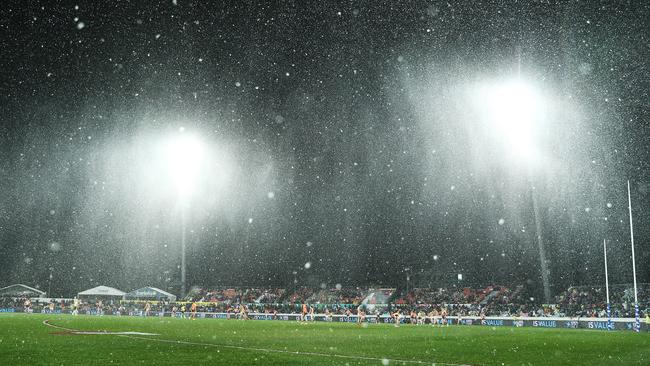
(335, 146)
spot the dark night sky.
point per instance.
(341, 134)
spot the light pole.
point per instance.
(49, 283)
(183, 234)
(184, 157)
(542, 251)
(408, 279)
(513, 110)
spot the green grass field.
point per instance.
(25, 340)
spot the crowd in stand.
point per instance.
(230, 295)
(592, 301)
(339, 295)
(237, 295)
(11, 302)
(488, 301)
(445, 296)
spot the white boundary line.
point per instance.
(96, 332)
(270, 350)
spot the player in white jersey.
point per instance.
(397, 316)
(361, 315)
(328, 315)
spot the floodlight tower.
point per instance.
(514, 108)
(184, 156)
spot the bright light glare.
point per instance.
(184, 156)
(513, 110)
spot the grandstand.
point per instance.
(493, 300)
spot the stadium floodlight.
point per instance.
(512, 110)
(184, 155)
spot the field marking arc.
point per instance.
(47, 322)
(271, 350)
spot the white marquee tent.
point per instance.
(150, 293)
(101, 292)
(19, 290)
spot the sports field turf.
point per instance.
(25, 340)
